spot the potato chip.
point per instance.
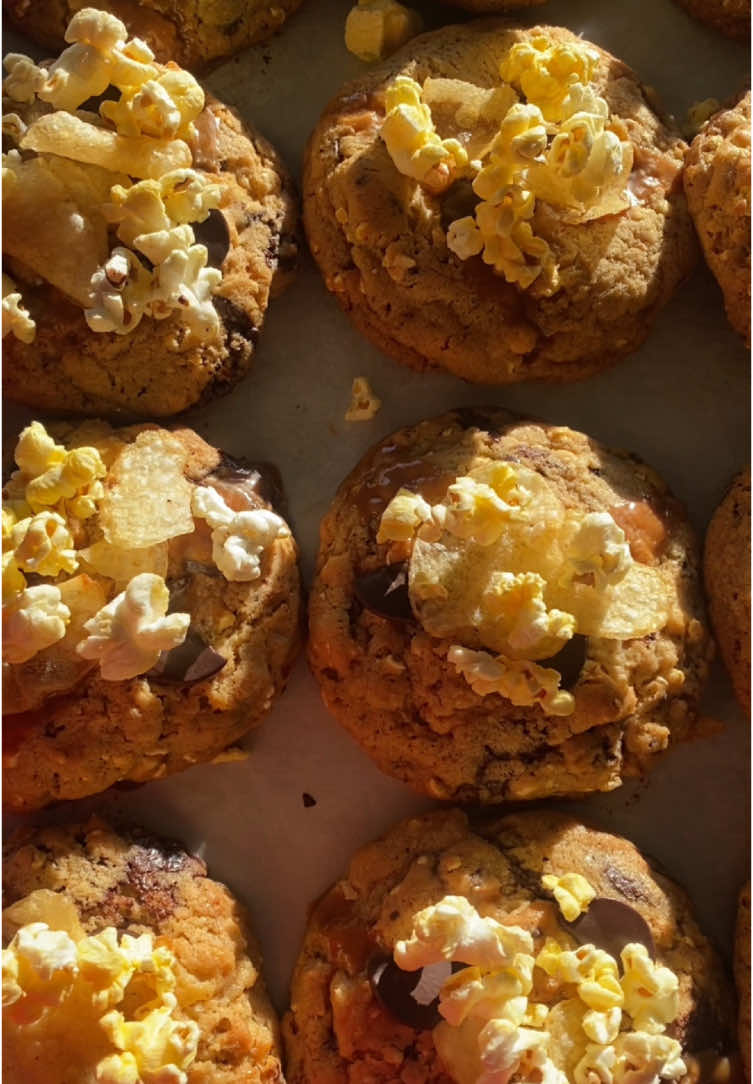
(451, 579)
(83, 596)
(467, 112)
(49, 232)
(121, 565)
(147, 499)
(43, 905)
(69, 136)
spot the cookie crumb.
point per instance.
(363, 403)
(232, 755)
(698, 114)
(308, 800)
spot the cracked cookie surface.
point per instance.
(139, 884)
(154, 370)
(337, 1029)
(193, 34)
(68, 732)
(727, 574)
(717, 184)
(379, 237)
(390, 683)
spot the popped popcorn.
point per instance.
(453, 930)
(598, 551)
(526, 627)
(43, 544)
(364, 405)
(24, 78)
(651, 991)
(403, 516)
(129, 633)
(16, 319)
(49, 477)
(238, 538)
(33, 619)
(520, 681)
(78, 983)
(376, 28)
(412, 142)
(572, 892)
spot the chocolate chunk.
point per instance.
(308, 800)
(610, 925)
(236, 321)
(459, 201)
(214, 233)
(411, 996)
(189, 662)
(476, 418)
(569, 661)
(260, 479)
(385, 592)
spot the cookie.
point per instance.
(742, 974)
(463, 225)
(172, 990)
(491, 6)
(726, 564)
(193, 35)
(151, 607)
(717, 184)
(506, 609)
(382, 990)
(142, 251)
(732, 17)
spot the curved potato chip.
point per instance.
(636, 606)
(147, 499)
(121, 565)
(71, 137)
(467, 112)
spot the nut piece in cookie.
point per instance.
(726, 566)
(506, 609)
(526, 948)
(474, 202)
(194, 35)
(717, 184)
(151, 607)
(145, 227)
(124, 962)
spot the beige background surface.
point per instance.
(682, 403)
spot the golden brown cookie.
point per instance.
(506, 609)
(732, 17)
(173, 949)
(151, 607)
(717, 184)
(492, 6)
(742, 974)
(141, 253)
(727, 576)
(356, 1010)
(194, 35)
(443, 266)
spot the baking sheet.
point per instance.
(681, 403)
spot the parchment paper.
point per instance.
(681, 403)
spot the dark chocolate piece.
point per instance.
(459, 201)
(568, 661)
(263, 480)
(610, 925)
(213, 232)
(189, 662)
(411, 996)
(385, 592)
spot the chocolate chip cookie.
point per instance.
(727, 576)
(151, 607)
(506, 609)
(194, 35)
(123, 945)
(143, 235)
(717, 184)
(462, 222)
(491, 6)
(732, 17)
(449, 941)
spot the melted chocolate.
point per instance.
(459, 201)
(189, 662)
(385, 592)
(569, 661)
(610, 925)
(411, 996)
(213, 232)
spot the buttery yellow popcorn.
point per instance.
(376, 28)
(24, 78)
(522, 682)
(546, 72)
(364, 404)
(78, 983)
(164, 107)
(129, 633)
(651, 991)
(33, 619)
(14, 580)
(598, 552)
(402, 517)
(644, 1058)
(239, 539)
(503, 992)
(412, 141)
(524, 625)
(572, 892)
(43, 544)
(16, 319)
(51, 477)
(453, 930)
